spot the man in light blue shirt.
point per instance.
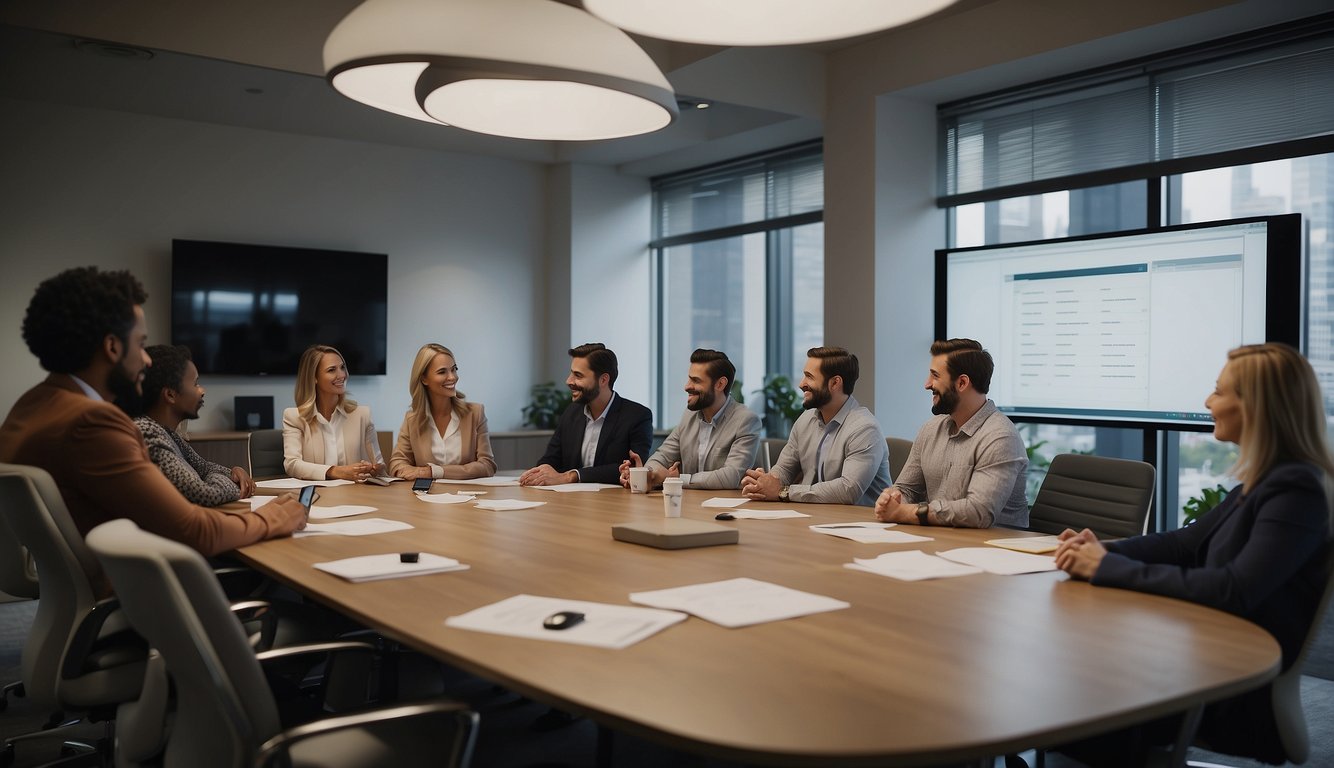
(836, 453)
(715, 442)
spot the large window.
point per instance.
(1242, 128)
(739, 266)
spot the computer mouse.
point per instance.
(724, 516)
(562, 620)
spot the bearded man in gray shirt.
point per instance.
(968, 465)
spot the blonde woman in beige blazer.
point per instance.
(442, 436)
(327, 436)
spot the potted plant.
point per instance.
(782, 404)
(545, 403)
(1196, 506)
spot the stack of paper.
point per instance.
(1037, 545)
(291, 483)
(911, 566)
(366, 527)
(868, 533)
(765, 514)
(390, 566)
(724, 502)
(1000, 561)
(493, 482)
(604, 626)
(739, 602)
(500, 505)
(443, 498)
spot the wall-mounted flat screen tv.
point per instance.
(1127, 329)
(252, 309)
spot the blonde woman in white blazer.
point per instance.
(327, 436)
(443, 435)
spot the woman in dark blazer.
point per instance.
(1258, 554)
(443, 435)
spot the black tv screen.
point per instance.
(1124, 329)
(253, 309)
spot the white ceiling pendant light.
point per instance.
(760, 22)
(527, 69)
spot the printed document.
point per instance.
(723, 502)
(766, 514)
(443, 498)
(500, 505)
(914, 565)
(574, 487)
(389, 566)
(293, 484)
(1000, 561)
(869, 533)
(739, 602)
(365, 527)
(492, 482)
(604, 625)
(1036, 545)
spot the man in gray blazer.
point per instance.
(715, 442)
(835, 453)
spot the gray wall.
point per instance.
(465, 236)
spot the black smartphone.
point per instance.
(307, 496)
(422, 484)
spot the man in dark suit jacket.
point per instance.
(598, 430)
(87, 328)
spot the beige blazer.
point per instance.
(414, 447)
(303, 445)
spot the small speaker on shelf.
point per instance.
(254, 412)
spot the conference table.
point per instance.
(913, 673)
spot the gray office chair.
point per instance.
(80, 656)
(266, 454)
(225, 714)
(18, 579)
(775, 448)
(1111, 497)
(898, 455)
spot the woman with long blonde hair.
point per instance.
(327, 436)
(1259, 554)
(443, 435)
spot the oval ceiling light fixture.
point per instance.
(528, 69)
(760, 22)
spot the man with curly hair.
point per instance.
(172, 394)
(87, 329)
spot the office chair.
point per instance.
(266, 454)
(80, 656)
(776, 446)
(898, 455)
(225, 714)
(18, 579)
(1111, 497)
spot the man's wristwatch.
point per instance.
(923, 513)
(782, 494)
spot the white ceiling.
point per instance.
(257, 64)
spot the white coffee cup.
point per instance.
(638, 479)
(671, 496)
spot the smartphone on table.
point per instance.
(308, 496)
(422, 485)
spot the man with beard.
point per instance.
(835, 453)
(87, 329)
(716, 440)
(597, 431)
(967, 466)
(172, 395)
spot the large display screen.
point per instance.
(253, 309)
(1130, 327)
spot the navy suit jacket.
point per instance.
(628, 427)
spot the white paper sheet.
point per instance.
(365, 527)
(500, 505)
(442, 498)
(389, 566)
(765, 514)
(497, 481)
(604, 625)
(914, 565)
(869, 533)
(339, 510)
(291, 483)
(1000, 561)
(723, 502)
(739, 602)
(575, 487)
(1036, 545)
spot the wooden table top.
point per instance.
(914, 672)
